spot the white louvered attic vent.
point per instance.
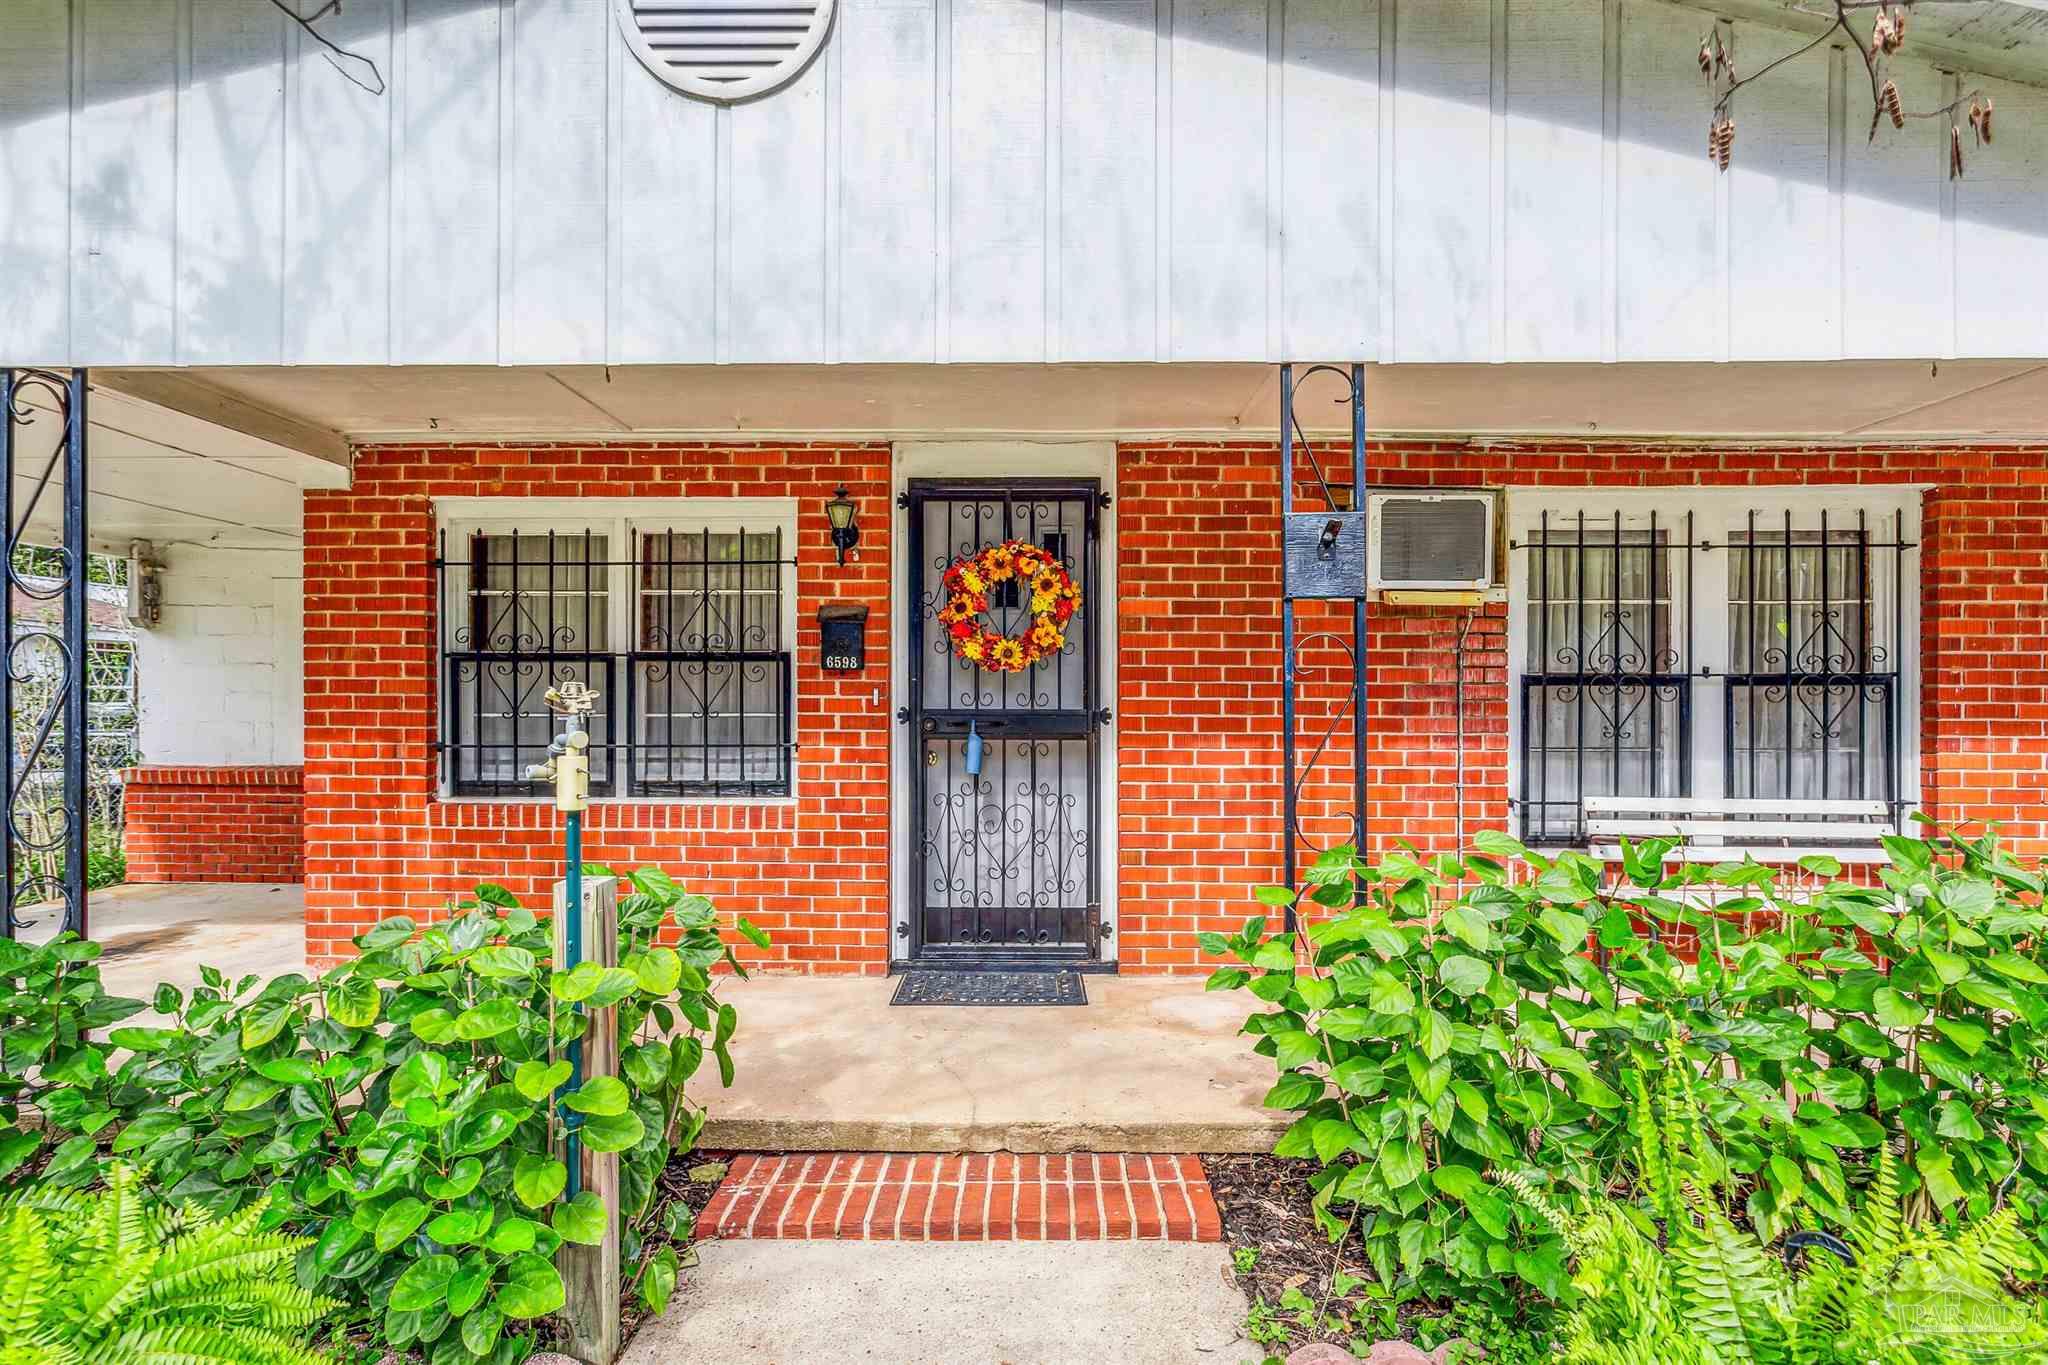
(725, 50)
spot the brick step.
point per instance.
(975, 1197)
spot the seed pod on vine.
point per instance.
(1898, 38)
(1721, 141)
(1980, 119)
(1706, 60)
(1955, 151)
(1880, 33)
(1889, 98)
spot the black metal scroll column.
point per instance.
(24, 753)
(1290, 813)
(1323, 556)
(1359, 674)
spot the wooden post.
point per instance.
(590, 1274)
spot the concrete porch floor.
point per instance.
(824, 1063)
(1148, 1065)
(155, 933)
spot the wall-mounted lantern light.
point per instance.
(845, 531)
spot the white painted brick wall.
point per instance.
(222, 676)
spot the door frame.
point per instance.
(1001, 460)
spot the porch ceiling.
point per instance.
(1864, 400)
(201, 472)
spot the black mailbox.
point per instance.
(842, 637)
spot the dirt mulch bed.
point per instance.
(1266, 1206)
(1264, 1201)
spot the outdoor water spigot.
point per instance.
(974, 747)
(571, 771)
(568, 765)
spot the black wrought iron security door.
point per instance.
(1006, 775)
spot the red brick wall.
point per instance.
(238, 823)
(1199, 710)
(813, 871)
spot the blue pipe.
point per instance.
(573, 856)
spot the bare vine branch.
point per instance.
(1887, 35)
(338, 57)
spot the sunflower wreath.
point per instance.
(971, 580)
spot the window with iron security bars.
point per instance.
(685, 632)
(1696, 646)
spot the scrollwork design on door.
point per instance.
(1006, 852)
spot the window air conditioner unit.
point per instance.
(1432, 542)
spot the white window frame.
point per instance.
(622, 521)
(1718, 515)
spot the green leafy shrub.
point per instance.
(113, 1278)
(1438, 1023)
(55, 1088)
(401, 1110)
(1910, 1012)
(1671, 1279)
(106, 862)
(1425, 1049)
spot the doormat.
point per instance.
(989, 988)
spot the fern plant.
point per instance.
(113, 1278)
(1672, 1280)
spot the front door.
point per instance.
(1005, 767)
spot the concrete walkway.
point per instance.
(1148, 1065)
(166, 932)
(1017, 1303)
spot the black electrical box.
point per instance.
(1325, 554)
(842, 637)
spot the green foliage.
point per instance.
(1673, 1281)
(1424, 1052)
(1359, 1311)
(404, 1111)
(51, 1068)
(1910, 1012)
(1445, 1027)
(1514, 1339)
(114, 1278)
(47, 561)
(106, 863)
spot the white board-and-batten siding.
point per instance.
(193, 182)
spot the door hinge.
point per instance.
(903, 715)
(903, 500)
